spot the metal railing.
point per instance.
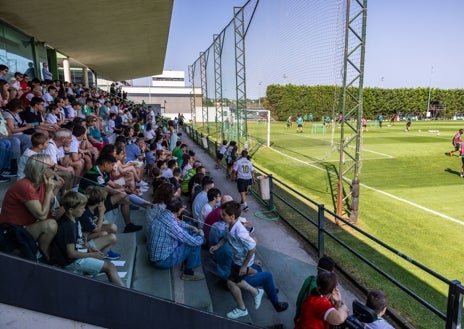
(317, 216)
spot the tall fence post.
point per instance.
(271, 193)
(454, 310)
(320, 229)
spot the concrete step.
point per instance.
(192, 293)
(126, 247)
(150, 280)
(167, 284)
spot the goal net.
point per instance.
(258, 128)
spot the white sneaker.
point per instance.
(258, 298)
(237, 313)
(143, 183)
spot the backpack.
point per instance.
(15, 238)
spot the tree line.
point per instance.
(323, 101)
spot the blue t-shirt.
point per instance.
(132, 152)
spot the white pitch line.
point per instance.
(452, 219)
(378, 153)
(364, 150)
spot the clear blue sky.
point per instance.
(410, 43)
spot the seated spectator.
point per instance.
(214, 217)
(39, 143)
(214, 198)
(69, 249)
(193, 189)
(243, 249)
(27, 202)
(325, 264)
(170, 241)
(94, 134)
(150, 157)
(175, 180)
(324, 306)
(35, 116)
(53, 116)
(149, 133)
(162, 196)
(75, 148)
(85, 143)
(377, 301)
(99, 175)
(255, 276)
(157, 179)
(125, 174)
(187, 164)
(202, 198)
(58, 149)
(110, 126)
(16, 127)
(171, 164)
(135, 153)
(195, 184)
(100, 235)
(179, 154)
(5, 152)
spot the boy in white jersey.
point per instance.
(243, 169)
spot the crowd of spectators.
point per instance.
(78, 153)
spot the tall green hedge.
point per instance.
(322, 101)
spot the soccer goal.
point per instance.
(259, 128)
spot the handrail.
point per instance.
(453, 316)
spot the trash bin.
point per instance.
(204, 141)
(263, 186)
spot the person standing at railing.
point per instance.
(244, 172)
(46, 74)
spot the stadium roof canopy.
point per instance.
(118, 39)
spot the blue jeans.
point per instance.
(263, 279)
(5, 153)
(191, 254)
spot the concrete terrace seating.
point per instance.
(144, 277)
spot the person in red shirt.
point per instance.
(324, 307)
(28, 201)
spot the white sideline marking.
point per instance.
(337, 143)
(378, 153)
(452, 219)
(416, 205)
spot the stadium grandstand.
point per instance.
(96, 47)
